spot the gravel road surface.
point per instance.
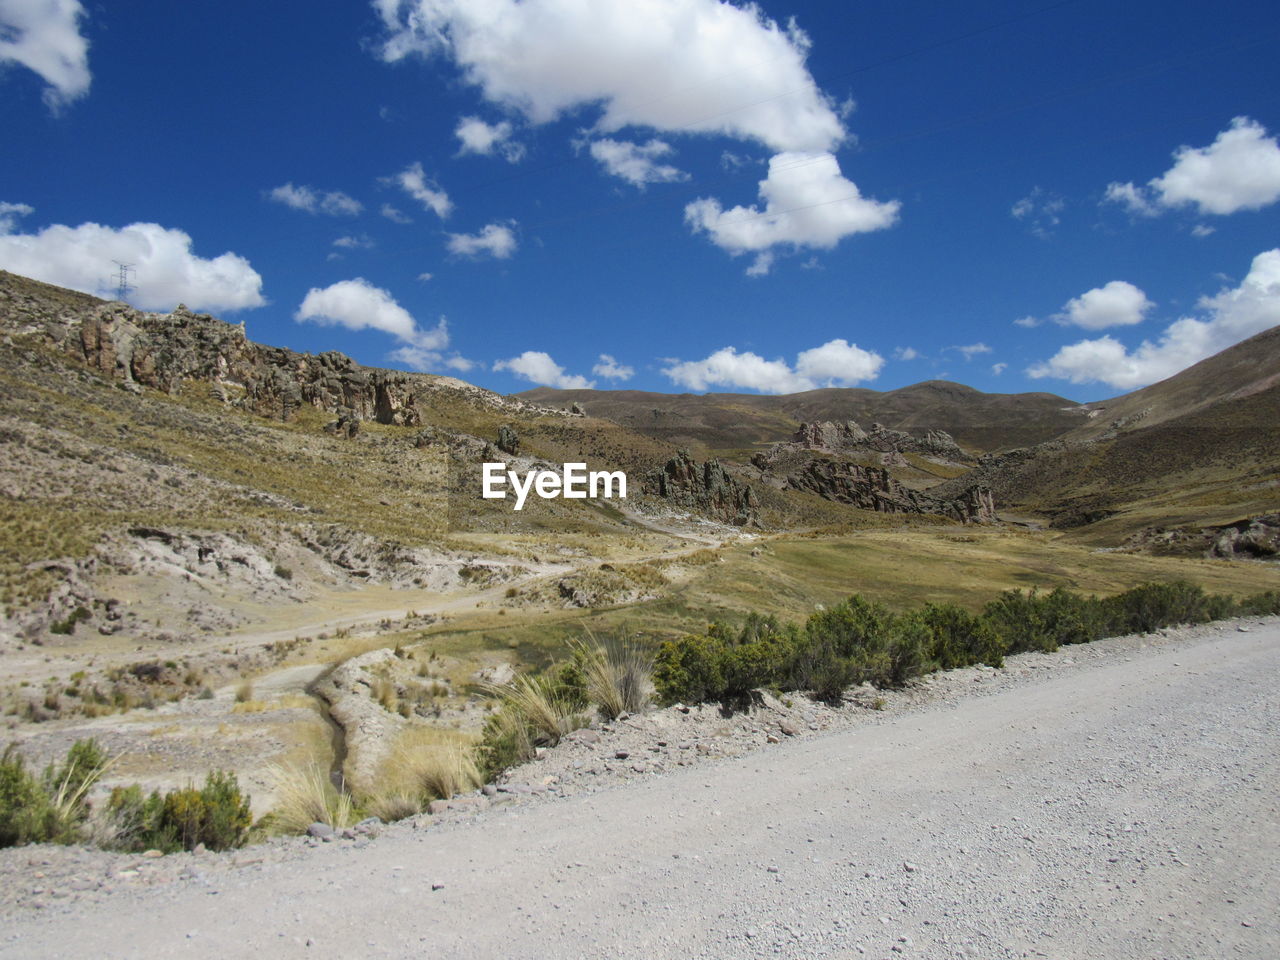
(1119, 803)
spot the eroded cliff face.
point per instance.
(847, 436)
(705, 488)
(872, 488)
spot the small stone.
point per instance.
(771, 739)
(788, 728)
(771, 869)
(621, 754)
(910, 867)
(153, 854)
(321, 831)
(489, 790)
(437, 807)
(437, 886)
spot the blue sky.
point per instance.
(669, 195)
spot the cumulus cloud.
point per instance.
(538, 367)
(999, 368)
(359, 305)
(488, 139)
(1118, 304)
(1040, 211)
(836, 363)
(697, 66)
(44, 36)
(635, 163)
(496, 240)
(610, 369)
(807, 203)
(1240, 170)
(969, 351)
(1232, 315)
(335, 203)
(166, 271)
(414, 181)
(905, 353)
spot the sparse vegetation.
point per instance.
(52, 807)
(860, 641)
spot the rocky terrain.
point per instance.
(1036, 810)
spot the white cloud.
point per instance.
(1027, 322)
(11, 213)
(906, 353)
(807, 203)
(694, 66)
(496, 240)
(44, 36)
(395, 215)
(636, 163)
(1234, 314)
(414, 181)
(972, 350)
(359, 305)
(999, 368)
(1240, 170)
(836, 363)
(361, 242)
(1203, 230)
(538, 367)
(1118, 304)
(165, 271)
(486, 139)
(1132, 198)
(426, 277)
(1040, 211)
(335, 203)
(610, 369)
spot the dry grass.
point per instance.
(618, 673)
(532, 700)
(305, 795)
(426, 763)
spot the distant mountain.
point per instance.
(725, 422)
(1199, 449)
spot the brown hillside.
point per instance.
(735, 421)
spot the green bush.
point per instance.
(1152, 606)
(53, 807)
(1260, 605)
(689, 670)
(216, 815)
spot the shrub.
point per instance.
(1152, 606)
(1260, 604)
(689, 670)
(958, 638)
(533, 713)
(53, 807)
(216, 815)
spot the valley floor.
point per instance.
(1114, 800)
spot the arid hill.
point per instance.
(982, 422)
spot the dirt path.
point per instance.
(1122, 804)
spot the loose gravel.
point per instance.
(1118, 799)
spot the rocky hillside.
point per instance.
(1179, 462)
(724, 422)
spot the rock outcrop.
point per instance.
(163, 351)
(872, 488)
(705, 488)
(832, 437)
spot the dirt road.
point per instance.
(1126, 807)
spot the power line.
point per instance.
(123, 286)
